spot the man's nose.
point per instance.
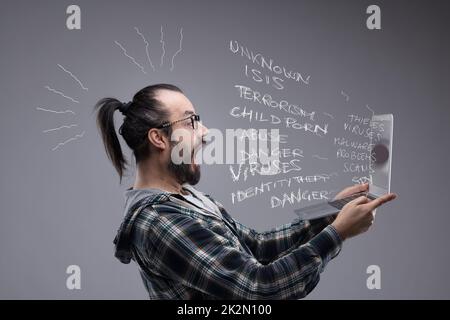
(205, 130)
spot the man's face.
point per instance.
(191, 139)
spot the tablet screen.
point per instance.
(381, 154)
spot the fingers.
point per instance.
(359, 200)
(363, 187)
(358, 188)
(372, 205)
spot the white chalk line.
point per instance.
(68, 140)
(61, 94)
(74, 77)
(179, 50)
(130, 57)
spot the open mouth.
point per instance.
(196, 149)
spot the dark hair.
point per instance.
(142, 113)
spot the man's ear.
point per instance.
(158, 139)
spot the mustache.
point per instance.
(202, 143)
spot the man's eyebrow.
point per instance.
(188, 112)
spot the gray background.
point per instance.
(63, 207)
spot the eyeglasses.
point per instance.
(195, 119)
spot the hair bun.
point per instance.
(124, 107)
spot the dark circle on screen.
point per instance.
(380, 153)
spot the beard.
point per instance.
(185, 172)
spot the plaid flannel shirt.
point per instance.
(185, 252)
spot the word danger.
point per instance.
(276, 152)
(298, 196)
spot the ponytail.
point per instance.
(105, 124)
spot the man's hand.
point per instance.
(351, 190)
(357, 216)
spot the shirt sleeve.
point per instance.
(187, 252)
(269, 245)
